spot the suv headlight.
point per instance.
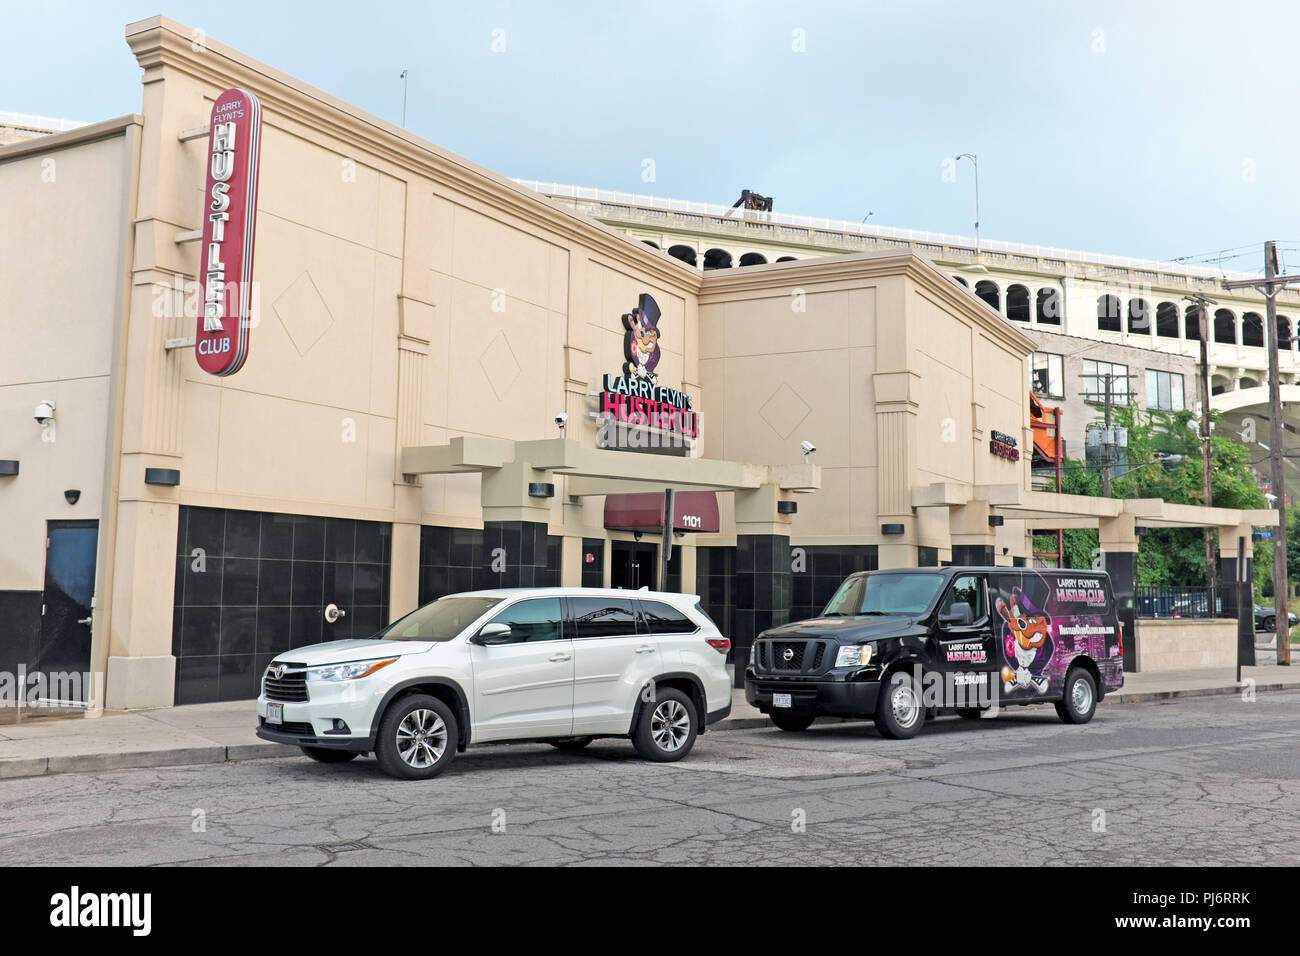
(349, 671)
(753, 653)
(853, 655)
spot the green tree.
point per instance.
(1153, 469)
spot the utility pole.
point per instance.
(1107, 435)
(1281, 595)
(1207, 490)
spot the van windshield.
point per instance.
(884, 594)
(440, 621)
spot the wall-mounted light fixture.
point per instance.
(892, 529)
(8, 467)
(72, 495)
(996, 521)
(787, 507)
(162, 476)
(541, 489)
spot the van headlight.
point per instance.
(753, 653)
(349, 671)
(853, 655)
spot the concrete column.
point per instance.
(571, 562)
(514, 525)
(404, 570)
(1119, 546)
(763, 581)
(141, 669)
(1239, 602)
(973, 541)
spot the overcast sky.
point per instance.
(1156, 129)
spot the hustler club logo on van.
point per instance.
(229, 218)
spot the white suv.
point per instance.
(560, 665)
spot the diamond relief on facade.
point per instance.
(303, 313)
(784, 410)
(500, 366)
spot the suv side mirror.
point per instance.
(959, 615)
(492, 634)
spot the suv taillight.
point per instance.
(719, 644)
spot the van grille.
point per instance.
(291, 687)
(790, 657)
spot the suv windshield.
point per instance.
(884, 594)
(440, 621)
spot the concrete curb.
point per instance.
(753, 723)
(19, 767)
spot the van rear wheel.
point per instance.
(1079, 702)
(899, 714)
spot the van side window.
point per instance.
(663, 618)
(602, 617)
(968, 589)
(532, 621)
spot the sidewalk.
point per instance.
(216, 733)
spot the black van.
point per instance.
(897, 646)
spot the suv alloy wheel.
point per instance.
(666, 727)
(417, 738)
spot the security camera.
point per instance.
(807, 448)
(561, 420)
(44, 413)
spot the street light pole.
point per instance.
(404, 85)
(976, 163)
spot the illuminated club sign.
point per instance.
(636, 412)
(229, 219)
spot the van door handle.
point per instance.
(559, 658)
(85, 620)
(646, 649)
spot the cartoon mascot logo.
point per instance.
(641, 341)
(1026, 639)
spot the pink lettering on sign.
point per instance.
(229, 221)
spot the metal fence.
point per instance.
(1173, 602)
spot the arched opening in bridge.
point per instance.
(1252, 330)
(1192, 323)
(1225, 327)
(652, 244)
(684, 253)
(753, 259)
(1139, 316)
(1283, 332)
(990, 293)
(1048, 307)
(717, 259)
(961, 280)
(1248, 382)
(1108, 314)
(1167, 320)
(787, 259)
(1017, 303)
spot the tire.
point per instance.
(1270, 624)
(666, 729)
(899, 714)
(402, 752)
(969, 713)
(329, 755)
(572, 745)
(1079, 701)
(792, 722)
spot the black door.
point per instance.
(69, 594)
(633, 564)
(963, 654)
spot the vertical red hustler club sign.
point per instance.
(229, 218)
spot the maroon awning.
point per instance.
(692, 511)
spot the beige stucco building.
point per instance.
(418, 324)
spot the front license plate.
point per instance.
(275, 713)
(781, 700)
